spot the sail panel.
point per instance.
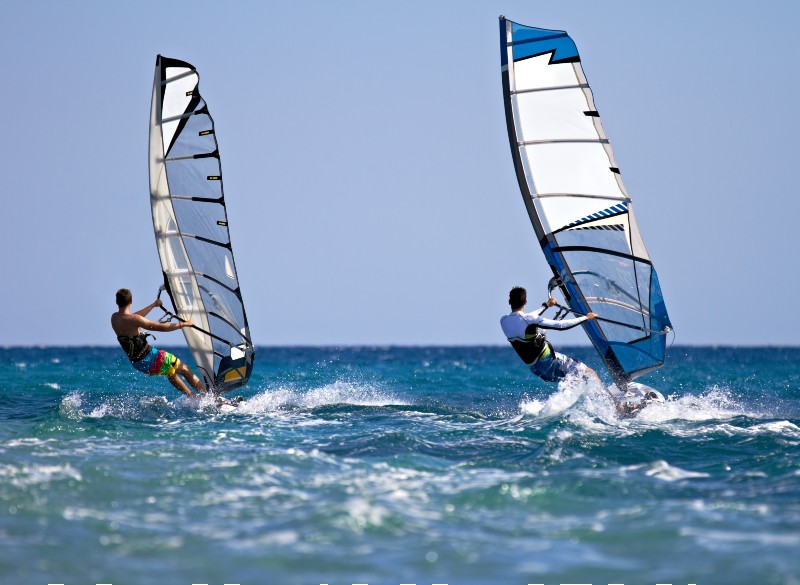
(577, 201)
(191, 227)
(571, 167)
(538, 74)
(555, 115)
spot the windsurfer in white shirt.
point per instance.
(523, 332)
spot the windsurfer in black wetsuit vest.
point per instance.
(144, 357)
(523, 332)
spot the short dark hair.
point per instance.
(124, 298)
(517, 298)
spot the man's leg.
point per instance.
(563, 366)
(590, 373)
(189, 376)
(178, 383)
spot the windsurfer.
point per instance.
(523, 332)
(144, 357)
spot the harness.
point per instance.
(531, 351)
(533, 347)
(135, 347)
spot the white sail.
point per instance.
(191, 227)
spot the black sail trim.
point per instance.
(213, 336)
(558, 35)
(232, 326)
(222, 284)
(219, 200)
(602, 251)
(573, 59)
(169, 62)
(208, 241)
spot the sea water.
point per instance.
(399, 465)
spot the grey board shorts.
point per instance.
(557, 366)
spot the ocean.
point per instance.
(399, 465)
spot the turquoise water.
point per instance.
(399, 465)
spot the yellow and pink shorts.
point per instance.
(158, 362)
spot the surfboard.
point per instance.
(635, 396)
(229, 404)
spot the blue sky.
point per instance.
(371, 193)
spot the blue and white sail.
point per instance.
(573, 191)
(191, 227)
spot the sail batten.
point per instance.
(181, 117)
(177, 77)
(577, 203)
(585, 195)
(192, 237)
(563, 141)
(553, 88)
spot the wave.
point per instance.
(75, 405)
(588, 405)
(336, 393)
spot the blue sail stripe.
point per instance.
(528, 41)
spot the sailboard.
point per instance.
(581, 212)
(190, 221)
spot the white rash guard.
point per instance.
(514, 324)
(521, 330)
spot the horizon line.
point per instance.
(397, 346)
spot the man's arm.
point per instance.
(562, 324)
(156, 326)
(147, 309)
(565, 323)
(546, 305)
(552, 323)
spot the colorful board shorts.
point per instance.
(554, 366)
(158, 363)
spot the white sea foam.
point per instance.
(716, 539)
(70, 406)
(28, 475)
(79, 513)
(713, 404)
(28, 442)
(339, 392)
(73, 406)
(53, 385)
(589, 405)
(780, 427)
(662, 470)
(566, 395)
(783, 428)
(532, 407)
(99, 411)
